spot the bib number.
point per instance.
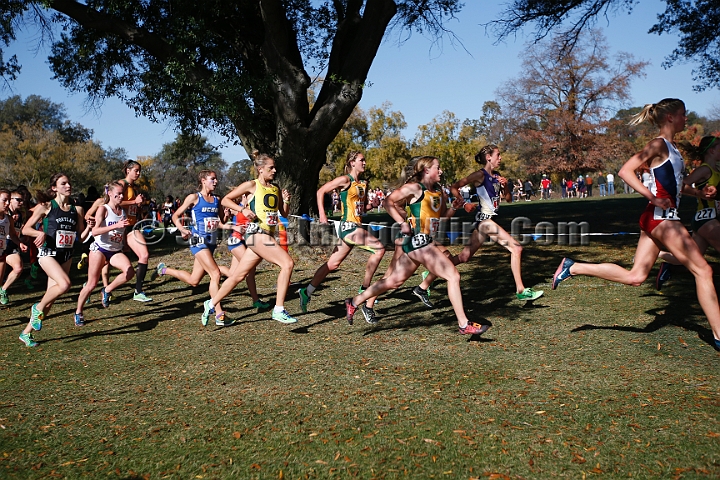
(271, 219)
(669, 214)
(705, 214)
(132, 211)
(3, 244)
(434, 226)
(420, 240)
(197, 240)
(211, 224)
(116, 237)
(252, 228)
(345, 226)
(234, 241)
(64, 239)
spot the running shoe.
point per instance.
(141, 297)
(562, 272)
(79, 320)
(105, 298)
(663, 275)
(4, 300)
(158, 272)
(473, 328)
(423, 296)
(283, 317)
(369, 314)
(717, 344)
(304, 299)
(424, 276)
(207, 311)
(220, 320)
(83, 261)
(27, 339)
(350, 310)
(260, 305)
(36, 317)
(29, 285)
(529, 294)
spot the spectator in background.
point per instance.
(611, 183)
(168, 209)
(602, 184)
(580, 186)
(563, 188)
(529, 190)
(588, 184)
(545, 184)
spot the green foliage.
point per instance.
(175, 169)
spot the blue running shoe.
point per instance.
(105, 298)
(283, 317)
(664, 274)
(562, 272)
(27, 339)
(79, 320)
(36, 317)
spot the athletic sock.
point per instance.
(310, 289)
(278, 309)
(140, 277)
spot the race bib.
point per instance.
(705, 214)
(252, 228)
(234, 241)
(197, 240)
(64, 239)
(132, 210)
(3, 244)
(420, 240)
(345, 226)
(211, 224)
(434, 226)
(271, 219)
(668, 214)
(116, 237)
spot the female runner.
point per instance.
(427, 203)
(489, 186)
(204, 207)
(134, 238)
(705, 225)
(14, 245)
(353, 204)
(264, 204)
(659, 223)
(109, 229)
(62, 222)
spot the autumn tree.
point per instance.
(559, 106)
(242, 68)
(37, 141)
(692, 20)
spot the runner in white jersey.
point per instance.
(109, 232)
(659, 222)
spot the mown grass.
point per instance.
(593, 379)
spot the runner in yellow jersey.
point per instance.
(427, 204)
(705, 225)
(266, 202)
(353, 201)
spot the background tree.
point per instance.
(238, 67)
(37, 141)
(174, 170)
(690, 19)
(559, 106)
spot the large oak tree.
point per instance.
(242, 68)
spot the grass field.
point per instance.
(594, 379)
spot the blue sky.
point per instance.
(419, 78)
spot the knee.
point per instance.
(63, 285)
(393, 282)
(332, 266)
(143, 258)
(289, 264)
(215, 275)
(453, 276)
(515, 248)
(17, 270)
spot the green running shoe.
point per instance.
(304, 299)
(207, 311)
(27, 339)
(4, 300)
(141, 297)
(529, 294)
(283, 317)
(221, 321)
(260, 305)
(158, 272)
(36, 317)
